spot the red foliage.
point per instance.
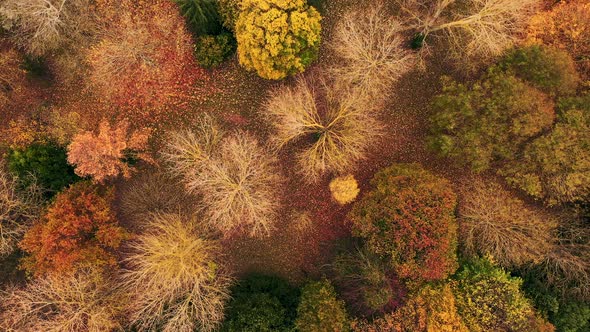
(20, 97)
(78, 229)
(146, 58)
(409, 217)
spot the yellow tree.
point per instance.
(277, 38)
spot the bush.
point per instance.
(277, 38)
(367, 282)
(103, 156)
(344, 189)
(320, 310)
(211, 51)
(409, 218)
(79, 229)
(229, 10)
(76, 302)
(237, 178)
(338, 130)
(174, 277)
(261, 304)
(46, 163)
(493, 222)
(555, 167)
(489, 121)
(489, 299)
(551, 70)
(371, 46)
(202, 16)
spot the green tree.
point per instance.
(261, 304)
(489, 299)
(277, 38)
(409, 218)
(555, 167)
(549, 69)
(202, 15)
(320, 310)
(47, 163)
(489, 120)
(211, 51)
(568, 314)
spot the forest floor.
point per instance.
(311, 221)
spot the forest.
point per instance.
(295, 165)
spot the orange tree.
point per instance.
(103, 155)
(78, 229)
(566, 26)
(409, 218)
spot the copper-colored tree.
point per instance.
(103, 155)
(79, 229)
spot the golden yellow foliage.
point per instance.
(277, 38)
(344, 189)
(566, 26)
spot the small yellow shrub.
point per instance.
(277, 38)
(344, 189)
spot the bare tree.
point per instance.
(80, 302)
(236, 178)
(475, 29)
(40, 26)
(17, 210)
(338, 130)
(370, 44)
(567, 266)
(240, 187)
(151, 192)
(188, 151)
(493, 222)
(174, 277)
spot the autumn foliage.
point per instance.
(147, 51)
(277, 38)
(12, 79)
(103, 155)
(565, 26)
(81, 301)
(78, 229)
(493, 222)
(409, 218)
(430, 309)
